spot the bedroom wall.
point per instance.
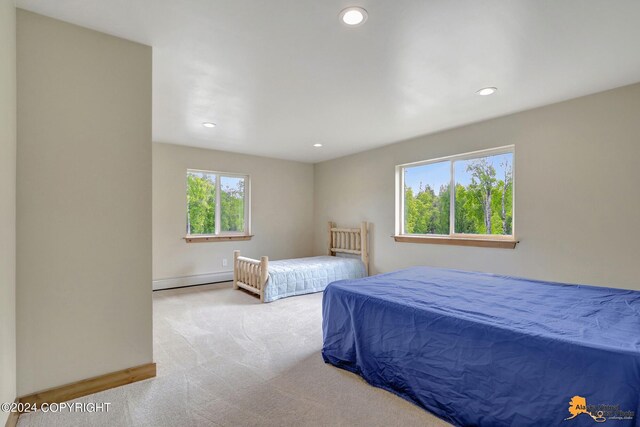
(7, 203)
(281, 208)
(576, 201)
(84, 203)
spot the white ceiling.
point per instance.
(278, 76)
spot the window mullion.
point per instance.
(217, 219)
(247, 206)
(402, 201)
(452, 199)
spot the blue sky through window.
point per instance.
(434, 175)
(437, 174)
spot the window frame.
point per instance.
(453, 237)
(218, 234)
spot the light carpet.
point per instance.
(224, 359)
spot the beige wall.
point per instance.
(577, 175)
(7, 203)
(281, 203)
(84, 203)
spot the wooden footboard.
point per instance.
(250, 274)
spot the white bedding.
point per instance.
(300, 276)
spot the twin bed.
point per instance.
(485, 350)
(347, 258)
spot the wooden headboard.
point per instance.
(354, 241)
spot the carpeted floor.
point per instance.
(224, 359)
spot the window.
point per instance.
(217, 205)
(464, 197)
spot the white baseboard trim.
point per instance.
(197, 279)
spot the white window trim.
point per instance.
(399, 222)
(247, 203)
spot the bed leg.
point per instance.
(236, 254)
(264, 275)
(330, 240)
(364, 245)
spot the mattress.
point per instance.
(300, 276)
(486, 350)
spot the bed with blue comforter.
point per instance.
(487, 350)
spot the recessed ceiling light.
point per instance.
(317, 145)
(353, 16)
(487, 91)
(209, 125)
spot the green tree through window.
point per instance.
(231, 204)
(201, 203)
(483, 199)
(215, 197)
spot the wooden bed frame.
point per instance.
(252, 274)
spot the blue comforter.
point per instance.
(485, 350)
